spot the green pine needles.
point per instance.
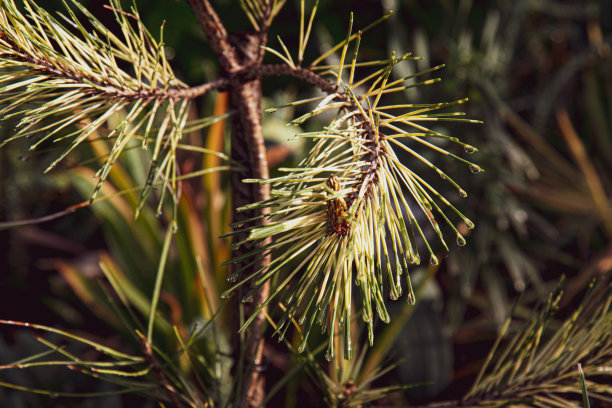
(540, 367)
(347, 213)
(57, 81)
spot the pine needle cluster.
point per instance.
(542, 368)
(58, 75)
(347, 213)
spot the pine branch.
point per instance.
(303, 74)
(105, 88)
(57, 76)
(539, 367)
(343, 208)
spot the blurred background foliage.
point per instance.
(537, 72)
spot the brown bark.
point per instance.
(249, 150)
(241, 52)
(216, 34)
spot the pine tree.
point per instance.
(352, 214)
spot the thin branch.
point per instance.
(108, 89)
(300, 73)
(112, 91)
(31, 221)
(219, 84)
(217, 34)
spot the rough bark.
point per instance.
(249, 150)
(242, 52)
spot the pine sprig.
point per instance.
(59, 76)
(539, 368)
(342, 215)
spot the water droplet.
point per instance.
(411, 298)
(159, 213)
(462, 193)
(469, 224)
(175, 228)
(470, 149)
(398, 287)
(520, 216)
(460, 240)
(433, 260)
(329, 354)
(232, 278)
(475, 168)
(442, 176)
(226, 295)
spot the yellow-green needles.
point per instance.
(364, 230)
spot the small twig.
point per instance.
(303, 74)
(197, 91)
(39, 220)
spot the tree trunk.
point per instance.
(247, 148)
